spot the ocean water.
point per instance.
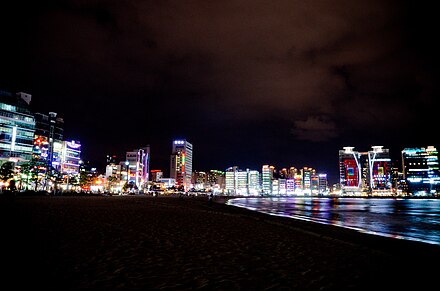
(411, 219)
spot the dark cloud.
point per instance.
(315, 128)
(326, 69)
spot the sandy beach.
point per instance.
(128, 242)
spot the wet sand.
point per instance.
(130, 242)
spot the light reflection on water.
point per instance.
(413, 219)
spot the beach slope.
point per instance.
(167, 243)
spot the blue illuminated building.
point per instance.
(17, 126)
(421, 170)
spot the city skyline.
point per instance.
(248, 83)
(181, 149)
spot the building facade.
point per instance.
(242, 182)
(379, 170)
(323, 184)
(350, 171)
(365, 173)
(421, 170)
(267, 178)
(307, 174)
(48, 138)
(17, 127)
(112, 167)
(181, 163)
(138, 166)
(253, 182)
(230, 180)
(216, 179)
(156, 175)
(71, 157)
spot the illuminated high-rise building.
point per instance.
(138, 166)
(267, 177)
(17, 127)
(298, 183)
(379, 169)
(275, 187)
(241, 178)
(365, 172)
(112, 169)
(49, 133)
(290, 186)
(71, 157)
(323, 184)
(230, 180)
(199, 177)
(200, 180)
(314, 184)
(216, 179)
(307, 174)
(253, 182)
(240, 182)
(421, 170)
(181, 163)
(350, 170)
(282, 186)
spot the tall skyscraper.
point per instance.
(314, 184)
(421, 170)
(17, 126)
(253, 182)
(298, 183)
(350, 170)
(267, 177)
(323, 184)
(363, 173)
(48, 139)
(241, 178)
(230, 183)
(379, 169)
(181, 163)
(307, 174)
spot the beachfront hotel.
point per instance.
(242, 182)
(181, 163)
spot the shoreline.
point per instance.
(172, 243)
(28, 193)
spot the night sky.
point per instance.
(249, 82)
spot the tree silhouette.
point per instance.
(7, 171)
